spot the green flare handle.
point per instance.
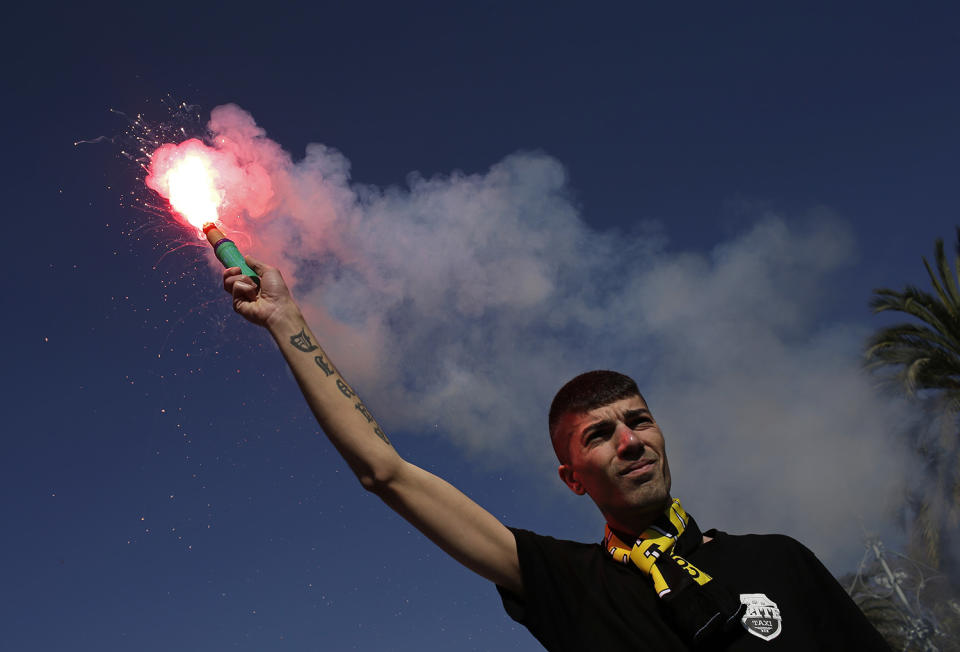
(227, 252)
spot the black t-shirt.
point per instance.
(577, 598)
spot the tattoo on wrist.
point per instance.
(323, 364)
(303, 342)
(345, 389)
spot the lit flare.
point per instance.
(186, 175)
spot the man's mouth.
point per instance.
(638, 468)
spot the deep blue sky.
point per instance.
(135, 400)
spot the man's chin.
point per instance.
(652, 499)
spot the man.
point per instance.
(657, 583)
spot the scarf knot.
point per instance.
(697, 605)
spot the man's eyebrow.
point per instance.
(609, 423)
(593, 427)
(638, 412)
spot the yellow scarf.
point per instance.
(654, 542)
(697, 606)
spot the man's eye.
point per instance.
(639, 421)
(595, 436)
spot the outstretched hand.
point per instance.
(261, 305)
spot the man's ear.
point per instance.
(569, 477)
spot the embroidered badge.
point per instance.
(762, 617)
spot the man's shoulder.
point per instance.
(756, 555)
(533, 539)
(755, 540)
(543, 553)
(722, 540)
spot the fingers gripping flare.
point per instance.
(236, 283)
(261, 305)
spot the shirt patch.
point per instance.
(762, 617)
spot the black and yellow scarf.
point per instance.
(697, 605)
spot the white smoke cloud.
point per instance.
(460, 303)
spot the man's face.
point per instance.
(616, 454)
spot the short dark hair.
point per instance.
(585, 392)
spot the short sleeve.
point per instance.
(551, 579)
(576, 598)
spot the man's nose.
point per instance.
(628, 443)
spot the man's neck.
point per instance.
(629, 530)
(630, 526)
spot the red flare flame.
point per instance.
(187, 176)
(203, 183)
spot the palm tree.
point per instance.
(922, 359)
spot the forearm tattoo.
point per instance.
(382, 435)
(362, 409)
(302, 342)
(345, 389)
(377, 430)
(324, 365)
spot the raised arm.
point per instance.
(463, 529)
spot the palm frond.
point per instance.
(921, 305)
(913, 336)
(943, 281)
(922, 358)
